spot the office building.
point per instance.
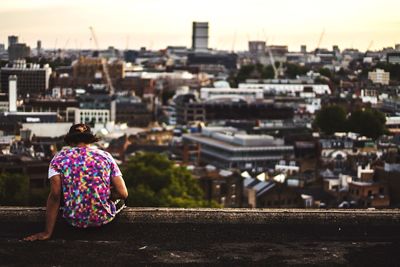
(4, 106)
(379, 76)
(88, 70)
(393, 58)
(39, 47)
(257, 47)
(12, 40)
(200, 36)
(292, 89)
(226, 147)
(208, 62)
(189, 109)
(54, 104)
(18, 51)
(33, 79)
(248, 95)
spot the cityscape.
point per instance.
(201, 133)
(267, 126)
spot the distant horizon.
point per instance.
(156, 24)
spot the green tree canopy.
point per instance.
(294, 70)
(14, 189)
(154, 181)
(368, 122)
(331, 119)
(254, 71)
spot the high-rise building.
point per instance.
(257, 47)
(12, 40)
(39, 47)
(2, 47)
(18, 51)
(200, 36)
(303, 49)
(32, 78)
(12, 93)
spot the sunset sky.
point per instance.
(158, 23)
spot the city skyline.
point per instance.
(156, 24)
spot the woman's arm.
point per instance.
(118, 190)
(53, 205)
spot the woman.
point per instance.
(86, 179)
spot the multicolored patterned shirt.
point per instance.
(86, 175)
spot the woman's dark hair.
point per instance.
(80, 133)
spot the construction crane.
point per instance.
(369, 47)
(320, 41)
(110, 86)
(278, 70)
(272, 60)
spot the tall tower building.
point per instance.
(39, 47)
(200, 36)
(12, 40)
(12, 93)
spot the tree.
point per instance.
(294, 70)
(331, 119)
(257, 71)
(368, 122)
(14, 189)
(325, 72)
(154, 181)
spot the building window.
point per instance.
(381, 191)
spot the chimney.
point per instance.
(12, 93)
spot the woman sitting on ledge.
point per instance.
(89, 181)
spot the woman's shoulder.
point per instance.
(100, 152)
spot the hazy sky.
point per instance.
(158, 23)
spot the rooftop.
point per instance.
(226, 237)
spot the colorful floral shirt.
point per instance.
(86, 175)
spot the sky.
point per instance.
(156, 24)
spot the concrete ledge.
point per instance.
(208, 237)
(226, 216)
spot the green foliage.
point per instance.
(14, 189)
(331, 119)
(325, 72)
(294, 70)
(368, 122)
(154, 181)
(257, 71)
